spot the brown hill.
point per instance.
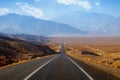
(12, 50)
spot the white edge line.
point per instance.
(39, 68)
(81, 69)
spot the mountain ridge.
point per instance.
(92, 22)
(21, 24)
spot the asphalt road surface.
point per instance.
(60, 68)
(20, 71)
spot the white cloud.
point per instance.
(35, 12)
(83, 3)
(67, 2)
(97, 3)
(4, 11)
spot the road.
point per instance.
(59, 67)
(20, 71)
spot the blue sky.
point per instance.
(48, 9)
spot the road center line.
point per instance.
(39, 68)
(80, 68)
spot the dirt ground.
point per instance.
(102, 52)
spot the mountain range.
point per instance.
(74, 23)
(21, 24)
(112, 27)
(94, 23)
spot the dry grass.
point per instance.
(108, 49)
(109, 62)
(54, 47)
(12, 51)
(24, 61)
(106, 58)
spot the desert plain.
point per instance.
(100, 52)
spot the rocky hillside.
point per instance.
(13, 50)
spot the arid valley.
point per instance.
(101, 52)
(59, 39)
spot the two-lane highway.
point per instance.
(59, 67)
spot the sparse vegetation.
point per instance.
(101, 52)
(105, 56)
(12, 50)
